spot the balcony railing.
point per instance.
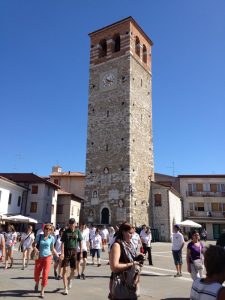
(205, 194)
(205, 214)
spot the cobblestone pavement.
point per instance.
(157, 281)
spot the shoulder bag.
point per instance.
(125, 285)
(198, 263)
(34, 255)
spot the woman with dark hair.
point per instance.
(10, 241)
(195, 256)
(123, 258)
(211, 287)
(27, 240)
(96, 246)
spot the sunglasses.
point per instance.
(48, 228)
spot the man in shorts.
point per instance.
(177, 246)
(71, 238)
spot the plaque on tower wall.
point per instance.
(113, 194)
(94, 199)
(121, 214)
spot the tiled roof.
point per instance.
(10, 181)
(28, 178)
(62, 192)
(131, 19)
(61, 174)
(173, 190)
(202, 176)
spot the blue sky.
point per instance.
(44, 70)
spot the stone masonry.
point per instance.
(119, 159)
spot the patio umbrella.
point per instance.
(3, 217)
(21, 219)
(189, 223)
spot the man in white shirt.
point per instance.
(85, 235)
(177, 246)
(91, 236)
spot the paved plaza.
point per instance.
(157, 281)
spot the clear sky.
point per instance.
(44, 71)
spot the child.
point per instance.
(210, 288)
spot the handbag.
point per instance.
(34, 254)
(198, 264)
(125, 285)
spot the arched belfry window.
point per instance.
(144, 54)
(137, 46)
(116, 43)
(102, 48)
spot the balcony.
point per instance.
(205, 194)
(205, 214)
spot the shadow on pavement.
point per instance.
(24, 293)
(95, 276)
(155, 275)
(176, 298)
(22, 277)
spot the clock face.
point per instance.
(108, 79)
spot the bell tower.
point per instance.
(119, 158)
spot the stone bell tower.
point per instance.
(119, 159)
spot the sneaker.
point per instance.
(99, 265)
(78, 276)
(59, 277)
(177, 275)
(83, 276)
(70, 283)
(36, 288)
(22, 268)
(65, 292)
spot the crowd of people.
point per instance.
(69, 247)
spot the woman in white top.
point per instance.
(136, 240)
(2, 245)
(111, 239)
(10, 237)
(26, 244)
(56, 259)
(210, 288)
(96, 246)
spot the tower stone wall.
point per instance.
(119, 160)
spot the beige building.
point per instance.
(68, 206)
(119, 159)
(166, 210)
(72, 182)
(204, 201)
